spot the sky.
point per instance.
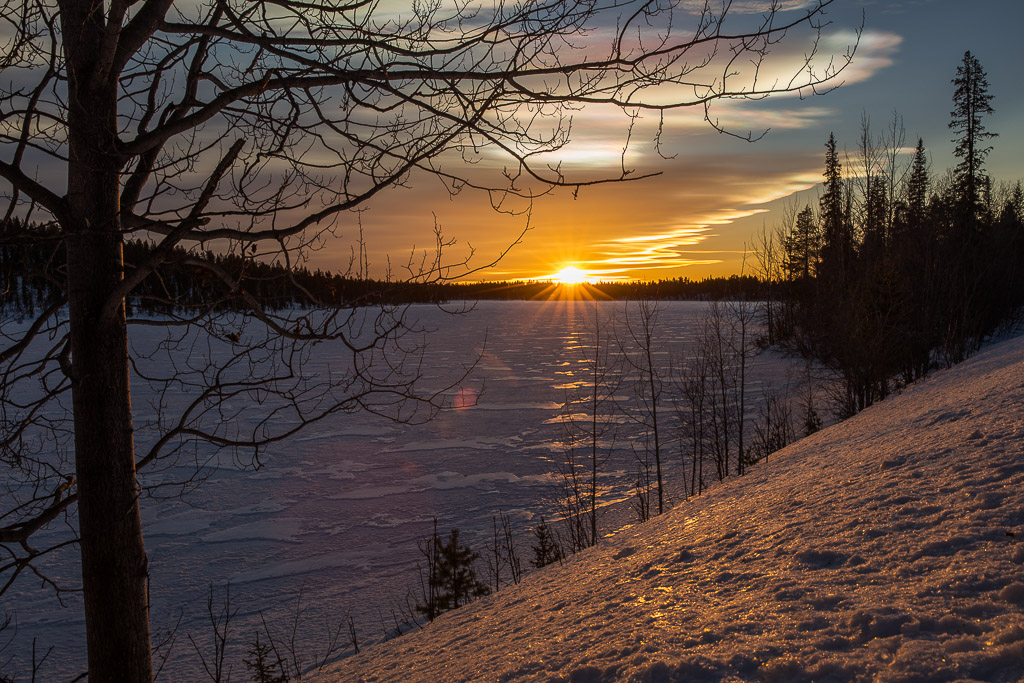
(713, 192)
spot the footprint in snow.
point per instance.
(1014, 593)
(820, 559)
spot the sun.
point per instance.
(570, 275)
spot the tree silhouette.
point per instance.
(638, 346)
(801, 246)
(258, 129)
(917, 185)
(971, 101)
(450, 579)
(837, 238)
(547, 550)
(922, 273)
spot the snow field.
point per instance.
(887, 548)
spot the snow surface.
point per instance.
(889, 547)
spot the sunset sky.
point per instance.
(694, 219)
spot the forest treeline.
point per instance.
(892, 265)
(897, 271)
(29, 265)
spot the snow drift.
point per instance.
(888, 547)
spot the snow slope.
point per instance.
(889, 547)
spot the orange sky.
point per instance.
(714, 191)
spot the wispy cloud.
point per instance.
(687, 217)
(598, 132)
(875, 51)
(745, 6)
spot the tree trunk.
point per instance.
(655, 395)
(114, 567)
(114, 571)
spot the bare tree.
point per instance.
(895, 171)
(603, 377)
(742, 316)
(773, 426)
(257, 128)
(503, 553)
(571, 494)
(714, 344)
(511, 550)
(769, 252)
(644, 484)
(589, 435)
(639, 346)
(220, 623)
(691, 389)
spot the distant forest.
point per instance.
(30, 269)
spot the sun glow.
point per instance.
(570, 275)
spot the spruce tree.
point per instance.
(876, 236)
(802, 246)
(264, 664)
(971, 101)
(457, 574)
(917, 185)
(450, 579)
(837, 238)
(547, 551)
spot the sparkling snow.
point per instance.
(889, 547)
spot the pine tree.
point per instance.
(547, 551)
(264, 664)
(875, 212)
(837, 238)
(971, 101)
(457, 575)
(802, 246)
(1013, 208)
(451, 579)
(917, 185)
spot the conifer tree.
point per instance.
(1013, 208)
(875, 230)
(457, 574)
(451, 579)
(802, 246)
(263, 664)
(917, 184)
(971, 101)
(547, 551)
(837, 238)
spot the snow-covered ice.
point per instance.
(332, 518)
(889, 547)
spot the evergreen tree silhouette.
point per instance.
(971, 101)
(837, 237)
(451, 579)
(547, 551)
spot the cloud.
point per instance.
(875, 51)
(745, 6)
(599, 131)
(693, 214)
(656, 228)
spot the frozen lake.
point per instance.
(335, 513)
